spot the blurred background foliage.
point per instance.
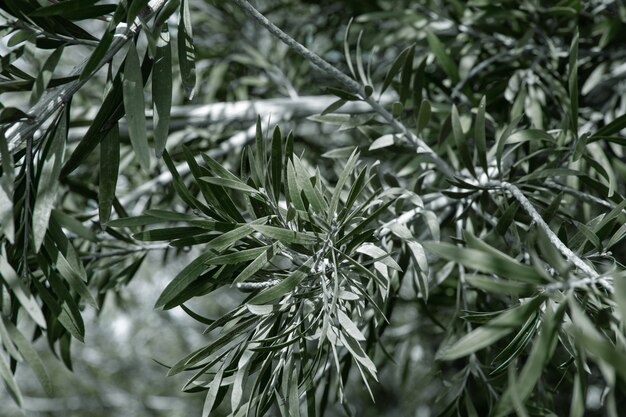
(514, 53)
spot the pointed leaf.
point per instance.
(479, 134)
(186, 51)
(31, 356)
(48, 186)
(492, 331)
(109, 169)
(283, 287)
(162, 91)
(134, 106)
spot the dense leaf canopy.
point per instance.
(418, 202)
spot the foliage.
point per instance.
(470, 203)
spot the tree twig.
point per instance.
(347, 83)
(53, 99)
(592, 276)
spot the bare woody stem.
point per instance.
(347, 83)
(592, 276)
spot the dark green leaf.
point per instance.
(277, 162)
(48, 186)
(134, 106)
(493, 262)
(573, 85)
(31, 356)
(446, 62)
(186, 51)
(283, 287)
(492, 331)
(109, 168)
(162, 91)
(479, 134)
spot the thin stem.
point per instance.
(592, 276)
(347, 82)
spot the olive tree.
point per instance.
(441, 211)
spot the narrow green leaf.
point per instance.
(342, 94)
(7, 222)
(446, 62)
(186, 51)
(423, 116)
(493, 262)
(109, 169)
(541, 352)
(459, 138)
(21, 292)
(348, 325)
(162, 91)
(619, 280)
(20, 36)
(610, 129)
(169, 233)
(526, 135)
(341, 182)
(97, 54)
(358, 354)
(577, 404)
(395, 68)
(294, 190)
(492, 331)
(183, 279)
(382, 142)
(304, 182)
(239, 256)
(74, 277)
(133, 10)
(180, 187)
(228, 238)
(48, 186)
(503, 138)
(228, 183)
(277, 162)
(12, 115)
(45, 75)
(379, 255)
(601, 158)
(283, 287)
(256, 265)
(336, 105)
(31, 356)
(243, 366)
(359, 60)
(499, 286)
(67, 312)
(74, 225)
(134, 105)
(573, 84)
(164, 14)
(9, 380)
(406, 76)
(7, 159)
(111, 110)
(551, 172)
(218, 170)
(287, 236)
(596, 343)
(214, 387)
(479, 134)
